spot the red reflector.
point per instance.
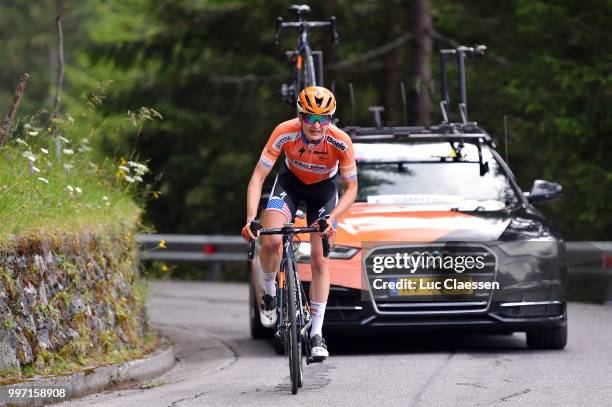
(607, 261)
(209, 249)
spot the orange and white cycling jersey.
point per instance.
(311, 162)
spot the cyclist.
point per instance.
(315, 151)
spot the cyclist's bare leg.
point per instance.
(319, 291)
(270, 253)
(319, 265)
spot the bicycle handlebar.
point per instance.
(280, 24)
(285, 230)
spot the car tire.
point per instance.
(258, 331)
(553, 338)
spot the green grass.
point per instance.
(29, 204)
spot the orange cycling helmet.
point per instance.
(316, 100)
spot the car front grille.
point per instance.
(419, 302)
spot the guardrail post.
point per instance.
(214, 273)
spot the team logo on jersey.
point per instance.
(282, 140)
(310, 167)
(302, 151)
(335, 143)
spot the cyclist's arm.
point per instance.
(348, 171)
(347, 198)
(254, 190)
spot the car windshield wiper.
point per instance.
(480, 206)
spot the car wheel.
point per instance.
(554, 338)
(258, 331)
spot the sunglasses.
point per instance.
(323, 119)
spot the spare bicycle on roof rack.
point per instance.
(302, 60)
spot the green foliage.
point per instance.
(548, 71)
(211, 69)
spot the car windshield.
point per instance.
(440, 174)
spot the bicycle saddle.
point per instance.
(299, 8)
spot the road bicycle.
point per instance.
(291, 301)
(302, 59)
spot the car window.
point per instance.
(430, 173)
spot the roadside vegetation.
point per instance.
(53, 178)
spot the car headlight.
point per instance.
(543, 248)
(302, 253)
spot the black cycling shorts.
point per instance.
(288, 191)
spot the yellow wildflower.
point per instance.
(162, 244)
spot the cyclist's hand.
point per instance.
(330, 231)
(247, 234)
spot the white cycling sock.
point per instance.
(269, 286)
(318, 313)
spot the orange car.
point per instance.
(440, 190)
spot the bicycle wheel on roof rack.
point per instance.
(310, 78)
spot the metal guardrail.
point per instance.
(589, 264)
(192, 248)
(581, 256)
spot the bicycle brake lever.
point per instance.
(251, 252)
(254, 226)
(325, 239)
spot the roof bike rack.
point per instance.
(461, 52)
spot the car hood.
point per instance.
(408, 223)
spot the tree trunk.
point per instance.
(422, 28)
(7, 123)
(390, 71)
(60, 57)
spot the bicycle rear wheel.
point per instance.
(310, 78)
(295, 341)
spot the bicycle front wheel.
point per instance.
(294, 348)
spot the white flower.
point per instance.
(69, 188)
(70, 119)
(83, 149)
(138, 178)
(124, 168)
(79, 191)
(105, 198)
(20, 141)
(63, 139)
(44, 150)
(68, 151)
(68, 167)
(139, 169)
(33, 133)
(41, 179)
(27, 126)
(129, 179)
(34, 169)
(29, 155)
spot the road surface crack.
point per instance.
(176, 403)
(520, 393)
(430, 380)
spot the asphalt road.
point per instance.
(220, 365)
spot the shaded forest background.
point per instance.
(211, 68)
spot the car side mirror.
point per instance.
(544, 191)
